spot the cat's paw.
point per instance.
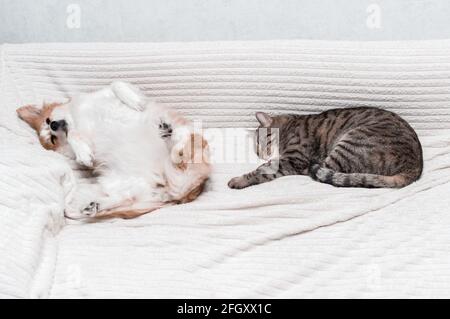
(91, 210)
(238, 183)
(316, 172)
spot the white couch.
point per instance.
(289, 238)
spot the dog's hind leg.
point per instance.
(81, 198)
(130, 95)
(104, 203)
(130, 211)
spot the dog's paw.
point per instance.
(129, 95)
(85, 160)
(84, 155)
(238, 183)
(165, 130)
(91, 210)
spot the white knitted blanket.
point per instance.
(289, 238)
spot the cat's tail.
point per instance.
(328, 176)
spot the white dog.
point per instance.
(144, 156)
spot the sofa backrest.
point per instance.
(225, 83)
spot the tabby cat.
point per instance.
(349, 147)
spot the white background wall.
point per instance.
(191, 20)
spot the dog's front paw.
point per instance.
(238, 183)
(91, 210)
(81, 148)
(84, 155)
(87, 161)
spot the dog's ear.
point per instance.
(31, 115)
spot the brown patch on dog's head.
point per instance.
(31, 115)
(39, 119)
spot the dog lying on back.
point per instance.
(143, 155)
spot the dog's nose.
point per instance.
(55, 125)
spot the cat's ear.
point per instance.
(31, 115)
(264, 119)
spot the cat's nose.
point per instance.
(56, 125)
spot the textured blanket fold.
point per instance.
(289, 238)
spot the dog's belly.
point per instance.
(132, 187)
